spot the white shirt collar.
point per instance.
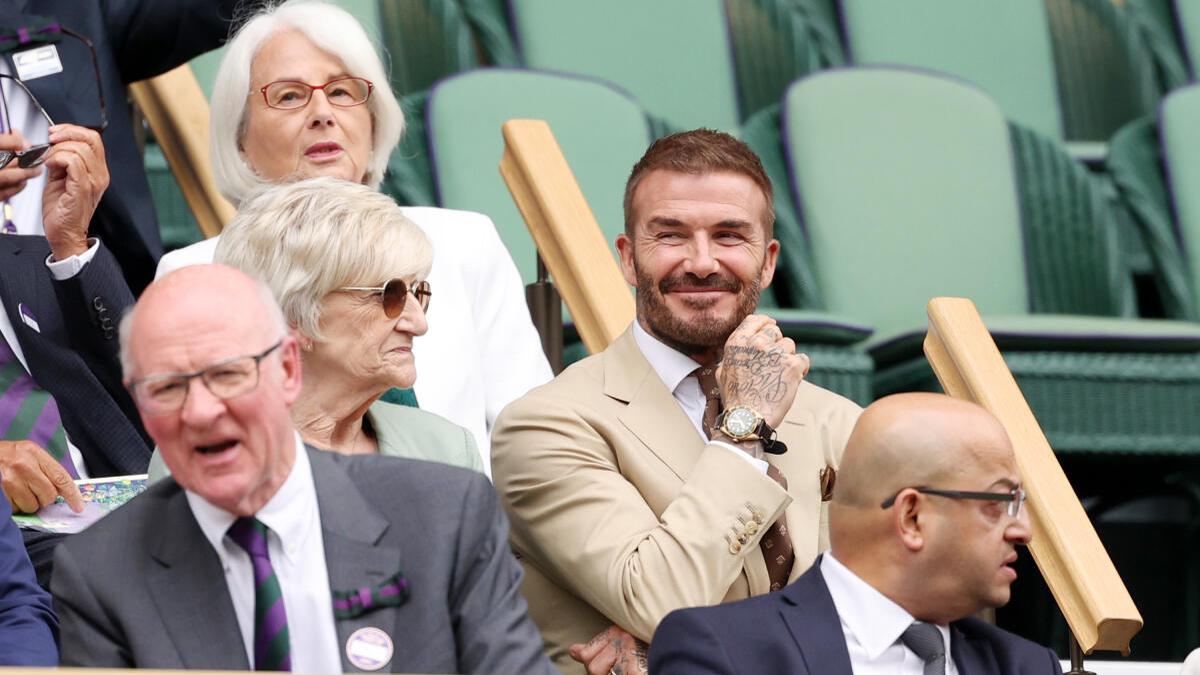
(672, 366)
(291, 513)
(873, 618)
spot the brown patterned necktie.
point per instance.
(776, 544)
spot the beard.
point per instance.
(708, 330)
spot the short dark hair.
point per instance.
(700, 151)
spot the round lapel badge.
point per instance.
(369, 648)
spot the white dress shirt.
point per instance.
(872, 624)
(27, 204)
(297, 552)
(676, 369)
(61, 270)
(481, 351)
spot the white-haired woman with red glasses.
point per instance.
(300, 93)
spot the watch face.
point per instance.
(740, 422)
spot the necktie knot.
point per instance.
(925, 640)
(251, 534)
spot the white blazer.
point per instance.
(481, 351)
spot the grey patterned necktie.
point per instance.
(925, 640)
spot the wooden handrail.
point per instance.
(566, 233)
(1086, 586)
(175, 107)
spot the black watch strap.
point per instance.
(770, 441)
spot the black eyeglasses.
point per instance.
(1014, 497)
(394, 295)
(162, 394)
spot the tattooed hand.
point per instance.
(760, 369)
(612, 652)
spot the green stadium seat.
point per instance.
(906, 190)
(1106, 72)
(1002, 47)
(602, 133)
(1187, 14)
(601, 130)
(673, 55)
(1164, 203)
(776, 41)
(431, 39)
(175, 221)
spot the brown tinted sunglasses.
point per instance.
(394, 295)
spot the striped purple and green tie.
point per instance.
(272, 646)
(28, 412)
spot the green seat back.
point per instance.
(602, 133)
(1181, 151)
(1187, 14)
(672, 55)
(905, 187)
(1003, 47)
(431, 39)
(1106, 71)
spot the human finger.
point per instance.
(62, 133)
(603, 661)
(63, 484)
(751, 324)
(592, 647)
(21, 498)
(13, 140)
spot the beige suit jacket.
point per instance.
(621, 513)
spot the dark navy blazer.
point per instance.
(797, 631)
(134, 40)
(28, 627)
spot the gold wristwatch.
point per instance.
(741, 423)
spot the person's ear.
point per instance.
(289, 361)
(625, 253)
(770, 257)
(908, 519)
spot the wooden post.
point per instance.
(177, 112)
(1071, 558)
(565, 232)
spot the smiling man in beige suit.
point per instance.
(685, 464)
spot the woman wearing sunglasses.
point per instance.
(348, 270)
(301, 92)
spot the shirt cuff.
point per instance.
(760, 464)
(62, 270)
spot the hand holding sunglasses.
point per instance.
(13, 177)
(76, 178)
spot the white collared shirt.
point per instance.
(676, 370)
(297, 552)
(27, 204)
(872, 624)
(61, 270)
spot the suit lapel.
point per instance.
(972, 656)
(807, 609)
(652, 413)
(188, 586)
(355, 557)
(20, 263)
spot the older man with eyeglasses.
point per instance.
(262, 553)
(925, 523)
(77, 232)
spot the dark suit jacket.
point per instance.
(143, 587)
(134, 40)
(797, 631)
(74, 356)
(28, 627)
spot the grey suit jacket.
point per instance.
(143, 588)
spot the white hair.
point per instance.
(310, 238)
(330, 28)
